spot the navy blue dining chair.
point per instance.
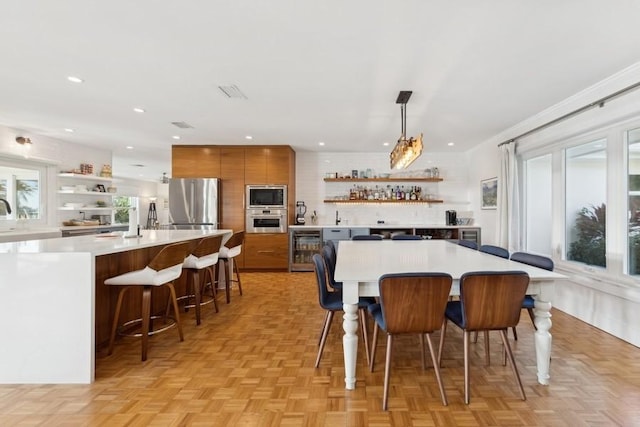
(468, 244)
(406, 237)
(331, 301)
(494, 250)
(330, 257)
(535, 261)
(367, 237)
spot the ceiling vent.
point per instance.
(232, 91)
(182, 125)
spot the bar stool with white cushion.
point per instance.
(162, 270)
(204, 258)
(231, 249)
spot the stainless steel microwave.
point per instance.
(266, 197)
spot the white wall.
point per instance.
(311, 169)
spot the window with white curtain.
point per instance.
(538, 208)
(633, 201)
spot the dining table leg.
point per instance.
(542, 339)
(350, 338)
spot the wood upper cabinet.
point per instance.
(195, 161)
(269, 165)
(255, 165)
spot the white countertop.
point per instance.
(102, 244)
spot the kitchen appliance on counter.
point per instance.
(194, 203)
(301, 209)
(452, 217)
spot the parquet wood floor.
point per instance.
(251, 364)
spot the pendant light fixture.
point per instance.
(406, 150)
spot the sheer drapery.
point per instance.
(509, 200)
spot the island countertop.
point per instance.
(108, 243)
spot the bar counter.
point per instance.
(55, 307)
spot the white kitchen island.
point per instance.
(48, 301)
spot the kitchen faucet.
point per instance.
(8, 206)
(337, 219)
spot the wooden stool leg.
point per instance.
(227, 280)
(146, 319)
(212, 274)
(235, 268)
(116, 317)
(175, 308)
(195, 281)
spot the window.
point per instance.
(633, 204)
(122, 206)
(538, 205)
(585, 208)
(21, 187)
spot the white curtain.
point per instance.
(509, 200)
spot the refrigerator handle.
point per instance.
(192, 184)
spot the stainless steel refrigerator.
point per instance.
(194, 203)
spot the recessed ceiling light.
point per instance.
(320, 143)
(451, 144)
(386, 144)
(176, 137)
(75, 79)
(138, 110)
(69, 130)
(129, 147)
(248, 137)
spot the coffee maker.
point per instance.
(301, 209)
(452, 218)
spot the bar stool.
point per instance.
(203, 257)
(230, 250)
(163, 269)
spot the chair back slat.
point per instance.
(414, 302)
(235, 240)
(207, 246)
(534, 260)
(492, 300)
(169, 256)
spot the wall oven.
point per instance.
(266, 197)
(266, 221)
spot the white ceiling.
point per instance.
(312, 71)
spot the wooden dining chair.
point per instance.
(406, 237)
(367, 237)
(489, 301)
(411, 303)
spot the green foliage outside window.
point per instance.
(590, 247)
(121, 206)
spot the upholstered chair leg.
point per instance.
(387, 372)
(532, 317)
(323, 339)
(227, 280)
(505, 341)
(515, 334)
(211, 272)
(235, 268)
(195, 281)
(374, 343)
(443, 332)
(146, 320)
(475, 337)
(365, 332)
(436, 369)
(467, 387)
(487, 348)
(116, 318)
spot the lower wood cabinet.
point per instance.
(269, 251)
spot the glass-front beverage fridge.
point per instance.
(304, 242)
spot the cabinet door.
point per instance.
(266, 251)
(279, 165)
(255, 171)
(191, 161)
(232, 173)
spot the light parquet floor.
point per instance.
(251, 364)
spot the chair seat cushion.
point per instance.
(453, 312)
(193, 261)
(528, 302)
(146, 276)
(226, 252)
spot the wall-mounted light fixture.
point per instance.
(22, 140)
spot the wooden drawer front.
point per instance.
(266, 251)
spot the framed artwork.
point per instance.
(489, 192)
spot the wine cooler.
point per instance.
(303, 244)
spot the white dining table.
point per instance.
(361, 263)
